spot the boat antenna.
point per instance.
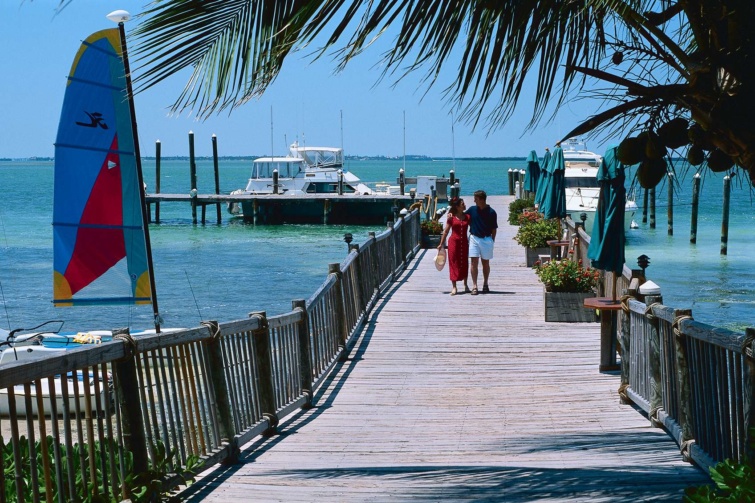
(120, 17)
(404, 141)
(341, 129)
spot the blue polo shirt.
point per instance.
(483, 221)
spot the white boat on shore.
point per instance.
(582, 188)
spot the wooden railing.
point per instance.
(695, 380)
(164, 401)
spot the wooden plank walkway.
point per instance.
(465, 398)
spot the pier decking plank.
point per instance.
(464, 398)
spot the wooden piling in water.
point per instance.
(158, 150)
(193, 175)
(645, 206)
(511, 182)
(217, 174)
(651, 192)
(725, 216)
(401, 181)
(695, 205)
(670, 207)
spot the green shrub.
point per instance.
(734, 482)
(537, 234)
(517, 206)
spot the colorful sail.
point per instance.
(99, 242)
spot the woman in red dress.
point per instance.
(458, 244)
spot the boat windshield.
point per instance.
(580, 182)
(286, 168)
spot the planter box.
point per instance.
(567, 307)
(533, 254)
(429, 241)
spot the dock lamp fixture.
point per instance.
(348, 238)
(643, 261)
(119, 16)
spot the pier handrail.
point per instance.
(695, 380)
(170, 400)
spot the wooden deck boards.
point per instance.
(464, 398)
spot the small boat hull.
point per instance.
(75, 385)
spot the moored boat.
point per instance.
(581, 185)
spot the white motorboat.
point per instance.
(582, 188)
(306, 170)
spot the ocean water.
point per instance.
(223, 272)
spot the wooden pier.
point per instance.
(279, 208)
(463, 398)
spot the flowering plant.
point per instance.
(431, 228)
(537, 234)
(529, 217)
(567, 276)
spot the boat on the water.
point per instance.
(582, 188)
(306, 170)
(311, 185)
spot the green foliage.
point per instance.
(144, 487)
(734, 482)
(567, 276)
(431, 228)
(537, 234)
(517, 206)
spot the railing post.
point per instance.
(132, 424)
(393, 249)
(683, 381)
(262, 360)
(305, 350)
(340, 308)
(625, 336)
(654, 358)
(357, 264)
(374, 263)
(220, 390)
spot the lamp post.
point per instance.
(643, 261)
(348, 238)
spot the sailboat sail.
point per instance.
(99, 235)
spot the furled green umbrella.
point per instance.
(533, 173)
(554, 197)
(607, 239)
(543, 180)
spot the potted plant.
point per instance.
(534, 234)
(566, 285)
(431, 231)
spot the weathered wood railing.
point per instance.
(196, 394)
(696, 380)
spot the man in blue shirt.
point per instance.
(482, 229)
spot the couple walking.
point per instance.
(482, 223)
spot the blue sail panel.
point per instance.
(99, 243)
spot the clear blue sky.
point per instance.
(307, 101)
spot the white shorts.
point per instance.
(481, 247)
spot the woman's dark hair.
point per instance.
(455, 205)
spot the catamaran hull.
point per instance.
(96, 400)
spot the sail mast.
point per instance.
(140, 178)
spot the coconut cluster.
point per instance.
(649, 149)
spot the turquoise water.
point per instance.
(224, 272)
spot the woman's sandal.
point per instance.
(474, 291)
(453, 291)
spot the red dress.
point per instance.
(458, 248)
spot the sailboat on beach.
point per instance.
(101, 247)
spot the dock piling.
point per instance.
(193, 173)
(217, 175)
(695, 205)
(651, 192)
(158, 150)
(401, 181)
(645, 206)
(725, 216)
(511, 182)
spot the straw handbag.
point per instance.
(440, 259)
